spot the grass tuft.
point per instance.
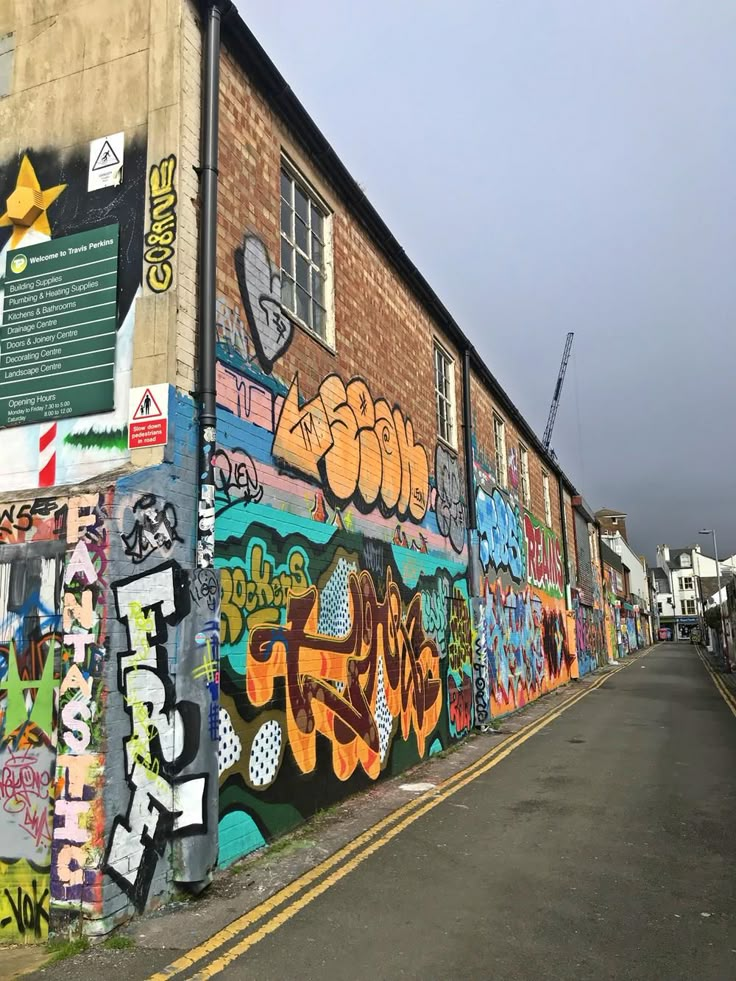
(59, 949)
(118, 942)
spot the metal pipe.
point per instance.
(208, 175)
(468, 441)
(565, 552)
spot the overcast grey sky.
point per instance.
(553, 165)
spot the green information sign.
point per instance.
(58, 329)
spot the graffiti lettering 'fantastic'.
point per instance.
(361, 450)
(161, 236)
(352, 688)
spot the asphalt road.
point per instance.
(603, 847)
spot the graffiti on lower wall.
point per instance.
(521, 645)
(346, 623)
(590, 637)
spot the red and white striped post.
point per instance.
(47, 455)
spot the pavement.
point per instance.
(592, 838)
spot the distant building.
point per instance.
(681, 594)
(635, 611)
(612, 522)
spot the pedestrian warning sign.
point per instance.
(106, 161)
(148, 422)
(106, 157)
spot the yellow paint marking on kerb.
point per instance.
(396, 822)
(726, 693)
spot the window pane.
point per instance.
(301, 203)
(287, 257)
(286, 183)
(318, 287)
(287, 292)
(317, 222)
(316, 251)
(302, 305)
(302, 272)
(318, 321)
(286, 214)
(302, 235)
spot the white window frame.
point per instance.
(684, 580)
(444, 394)
(327, 269)
(499, 450)
(526, 488)
(690, 603)
(547, 499)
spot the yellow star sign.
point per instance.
(27, 204)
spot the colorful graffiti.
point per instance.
(360, 450)
(544, 557)
(590, 637)
(501, 534)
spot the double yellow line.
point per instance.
(728, 696)
(289, 900)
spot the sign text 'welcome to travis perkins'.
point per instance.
(58, 329)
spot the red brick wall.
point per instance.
(382, 333)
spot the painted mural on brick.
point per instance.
(99, 622)
(345, 623)
(521, 635)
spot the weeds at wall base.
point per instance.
(60, 949)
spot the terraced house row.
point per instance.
(270, 528)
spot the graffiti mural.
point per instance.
(160, 238)
(501, 534)
(544, 557)
(346, 624)
(332, 673)
(360, 450)
(449, 503)
(164, 733)
(260, 291)
(590, 637)
(521, 647)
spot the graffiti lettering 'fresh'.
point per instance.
(164, 735)
(350, 688)
(500, 534)
(361, 450)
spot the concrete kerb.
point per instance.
(244, 885)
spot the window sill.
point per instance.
(330, 348)
(447, 444)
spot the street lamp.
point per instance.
(711, 531)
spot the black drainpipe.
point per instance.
(565, 553)
(469, 478)
(212, 16)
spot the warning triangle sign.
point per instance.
(106, 157)
(148, 407)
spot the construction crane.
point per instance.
(558, 391)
